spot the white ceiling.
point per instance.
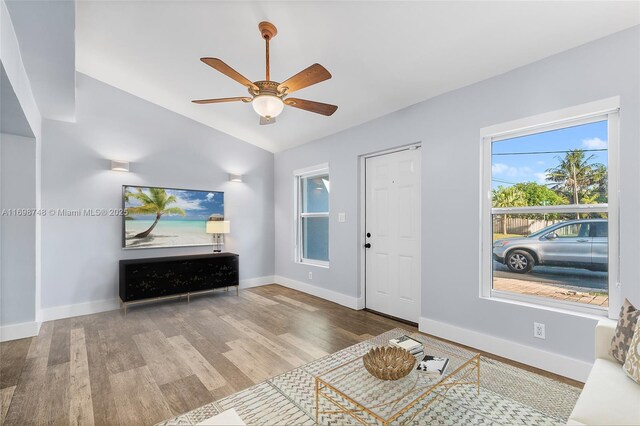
(384, 56)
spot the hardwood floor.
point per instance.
(164, 359)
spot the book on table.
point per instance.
(433, 365)
(407, 343)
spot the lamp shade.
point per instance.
(218, 227)
(267, 105)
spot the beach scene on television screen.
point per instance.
(162, 217)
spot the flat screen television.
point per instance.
(168, 217)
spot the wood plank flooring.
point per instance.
(164, 359)
(167, 358)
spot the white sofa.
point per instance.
(609, 397)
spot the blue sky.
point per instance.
(198, 205)
(508, 169)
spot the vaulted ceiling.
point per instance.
(45, 32)
(384, 56)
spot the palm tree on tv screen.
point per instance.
(154, 203)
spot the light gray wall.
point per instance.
(12, 118)
(11, 58)
(80, 254)
(448, 127)
(18, 242)
(12, 65)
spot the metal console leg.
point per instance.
(317, 398)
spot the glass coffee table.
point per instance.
(350, 389)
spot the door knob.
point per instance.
(368, 245)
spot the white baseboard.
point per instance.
(257, 282)
(548, 361)
(67, 311)
(333, 296)
(87, 308)
(19, 331)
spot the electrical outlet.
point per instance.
(538, 330)
(310, 275)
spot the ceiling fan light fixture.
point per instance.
(267, 105)
(267, 96)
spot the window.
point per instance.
(550, 212)
(312, 215)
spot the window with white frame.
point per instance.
(549, 214)
(312, 215)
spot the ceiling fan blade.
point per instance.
(305, 78)
(264, 120)
(312, 106)
(225, 69)
(215, 101)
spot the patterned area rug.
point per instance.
(508, 395)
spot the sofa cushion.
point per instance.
(632, 363)
(609, 397)
(624, 331)
(605, 330)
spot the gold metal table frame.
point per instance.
(468, 372)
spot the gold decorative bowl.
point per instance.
(388, 362)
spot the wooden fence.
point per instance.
(521, 226)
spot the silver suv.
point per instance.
(581, 243)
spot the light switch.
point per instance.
(342, 217)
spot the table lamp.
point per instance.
(218, 228)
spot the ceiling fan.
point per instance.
(269, 97)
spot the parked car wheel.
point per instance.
(519, 261)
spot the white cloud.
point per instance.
(182, 201)
(188, 204)
(210, 196)
(594, 143)
(510, 171)
(185, 203)
(542, 177)
(498, 168)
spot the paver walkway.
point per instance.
(570, 293)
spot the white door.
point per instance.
(392, 227)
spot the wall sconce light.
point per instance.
(218, 228)
(119, 166)
(235, 178)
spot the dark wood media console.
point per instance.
(176, 276)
